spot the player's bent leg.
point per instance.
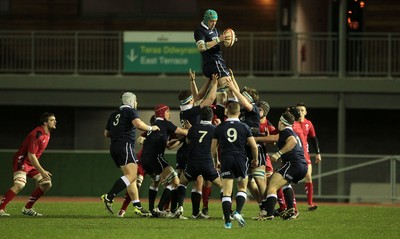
(19, 181)
(169, 176)
(222, 86)
(43, 183)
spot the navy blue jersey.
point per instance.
(232, 137)
(192, 115)
(200, 137)
(294, 155)
(251, 118)
(120, 126)
(157, 140)
(202, 32)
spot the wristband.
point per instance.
(217, 40)
(280, 153)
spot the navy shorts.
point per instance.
(182, 156)
(234, 166)
(213, 67)
(293, 172)
(207, 170)
(153, 163)
(261, 154)
(122, 153)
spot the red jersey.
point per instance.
(299, 131)
(266, 127)
(35, 142)
(308, 130)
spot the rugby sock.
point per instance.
(240, 200)
(36, 194)
(118, 186)
(165, 197)
(206, 191)
(288, 192)
(309, 191)
(271, 201)
(137, 203)
(196, 198)
(8, 196)
(294, 200)
(152, 197)
(127, 200)
(226, 207)
(174, 199)
(262, 204)
(181, 194)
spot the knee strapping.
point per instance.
(258, 173)
(139, 181)
(170, 177)
(20, 179)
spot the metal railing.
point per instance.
(344, 177)
(261, 53)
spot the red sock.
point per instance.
(126, 202)
(206, 196)
(8, 196)
(36, 194)
(309, 191)
(281, 200)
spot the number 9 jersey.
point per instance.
(232, 137)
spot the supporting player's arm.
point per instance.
(139, 124)
(290, 143)
(212, 93)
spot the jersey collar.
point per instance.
(204, 25)
(125, 106)
(205, 122)
(186, 107)
(232, 119)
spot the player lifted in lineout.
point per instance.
(207, 40)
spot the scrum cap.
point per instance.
(160, 110)
(265, 106)
(128, 98)
(210, 15)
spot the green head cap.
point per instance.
(210, 15)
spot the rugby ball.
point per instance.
(230, 37)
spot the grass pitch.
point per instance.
(90, 220)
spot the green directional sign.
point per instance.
(160, 52)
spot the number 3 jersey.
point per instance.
(120, 124)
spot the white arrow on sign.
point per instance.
(132, 57)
